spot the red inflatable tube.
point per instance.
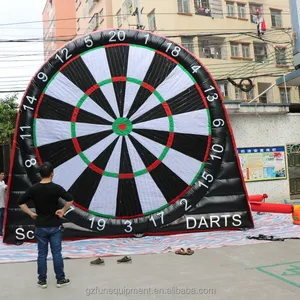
(257, 198)
(272, 207)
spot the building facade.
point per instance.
(223, 34)
(59, 24)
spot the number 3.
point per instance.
(128, 223)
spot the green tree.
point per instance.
(8, 116)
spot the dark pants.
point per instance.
(1, 220)
(52, 235)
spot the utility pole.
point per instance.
(295, 19)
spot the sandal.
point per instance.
(124, 259)
(189, 251)
(181, 251)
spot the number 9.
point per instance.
(101, 224)
(42, 76)
(218, 122)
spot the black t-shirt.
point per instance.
(45, 199)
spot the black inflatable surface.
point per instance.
(136, 130)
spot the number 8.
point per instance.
(30, 162)
(176, 51)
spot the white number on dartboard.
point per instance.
(22, 128)
(101, 224)
(129, 227)
(30, 162)
(216, 148)
(69, 210)
(66, 57)
(161, 215)
(31, 99)
(121, 35)
(218, 122)
(208, 177)
(146, 38)
(195, 69)
(185, 203)
(213, 97)
(42, 76)
(88, 42)
(175, 52)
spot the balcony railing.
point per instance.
(94, 23)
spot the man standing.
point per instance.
(3, 188)
(45, 196)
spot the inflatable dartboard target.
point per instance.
(133, 124)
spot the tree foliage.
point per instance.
(8, 116)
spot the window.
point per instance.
(212, 48)
(91, 5)
(223, 86)
(184, 6)
(151, 21)
(255, 12)
(276, 18)
(246, 50)
(202, 7)
(235, 50)
(238, 93)
(127, 9)
(285, 95)
(260, 52)
(230, 9)
(119, 18)
(242, 11)
(280, 54)
(188, 43)
(250, 95)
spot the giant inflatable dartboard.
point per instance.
(133, 125)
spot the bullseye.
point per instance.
(122, 126)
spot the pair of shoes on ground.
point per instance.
(181, 251)
(60, 283)
(100, 261)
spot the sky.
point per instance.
(20, 61)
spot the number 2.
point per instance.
(121, 36)
(67, 55)
(185, 203)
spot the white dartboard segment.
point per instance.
(139, 62)
(149, 194)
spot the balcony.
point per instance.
(202, 7)
(94, 23)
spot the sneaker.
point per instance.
(62, 282)
(42, 284)
(97, 261)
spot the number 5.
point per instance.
(88, 42)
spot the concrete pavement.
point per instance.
(209, 274)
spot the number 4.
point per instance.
(195, 69)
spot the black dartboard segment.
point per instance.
(133, 124)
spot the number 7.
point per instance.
(70, 209)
